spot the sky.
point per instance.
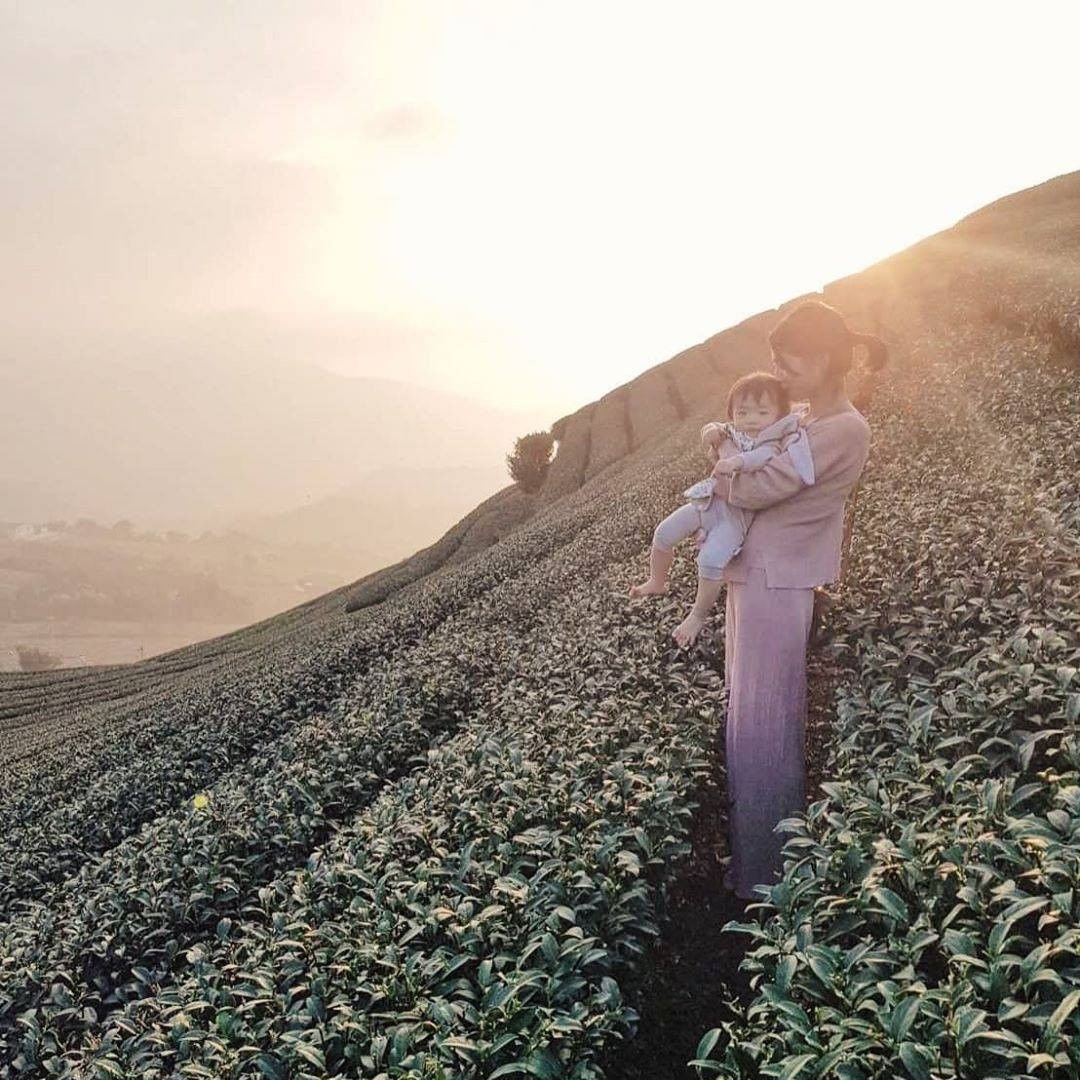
(528, 203)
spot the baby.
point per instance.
(760, 425)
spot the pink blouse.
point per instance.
(797, 532)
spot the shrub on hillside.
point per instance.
(529, 462)
(32, 658)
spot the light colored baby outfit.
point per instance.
(726, 525)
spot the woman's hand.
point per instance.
(727, 466)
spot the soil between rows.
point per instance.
(695, 964)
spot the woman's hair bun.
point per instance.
(814, 328)
(876, 349)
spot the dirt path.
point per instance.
(695, 965)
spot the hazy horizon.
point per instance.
(494, 199)
(205, 438)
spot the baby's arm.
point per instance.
(724, 451)
(713, 436)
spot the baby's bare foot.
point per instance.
(652, 587)
(687, 631)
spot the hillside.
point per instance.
(449, 831)
(94, 594)
(88, 593)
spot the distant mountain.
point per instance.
(196, 441)
(387, 514)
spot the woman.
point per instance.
(793, 545)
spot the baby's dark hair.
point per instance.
(759, 384)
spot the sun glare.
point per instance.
(588, 197)
(607, 197)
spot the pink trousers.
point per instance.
(765, 641)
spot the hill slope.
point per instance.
(435, 836)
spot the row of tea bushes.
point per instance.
(67, 724)
(59, 821)
(112, 932)
(478, 913)
(54, 698)
(927, 920)
(471, 925)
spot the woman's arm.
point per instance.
(776, 437)
(835, 449)
(759, 456)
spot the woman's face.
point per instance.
(801, 375)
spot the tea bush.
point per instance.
(926, 924)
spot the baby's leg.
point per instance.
(659, 568)
(707, 593)
(677, 526)
(726, 530)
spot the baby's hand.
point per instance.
(727, 466)
(710, 438)
(699, 537)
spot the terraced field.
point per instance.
(431, 825)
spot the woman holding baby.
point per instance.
(776, 502)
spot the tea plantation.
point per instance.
(426, 826)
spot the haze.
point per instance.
(527, 203)
(258, 253)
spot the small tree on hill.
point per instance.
(529, 462)
(32, 658)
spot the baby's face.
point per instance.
(752, 414)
